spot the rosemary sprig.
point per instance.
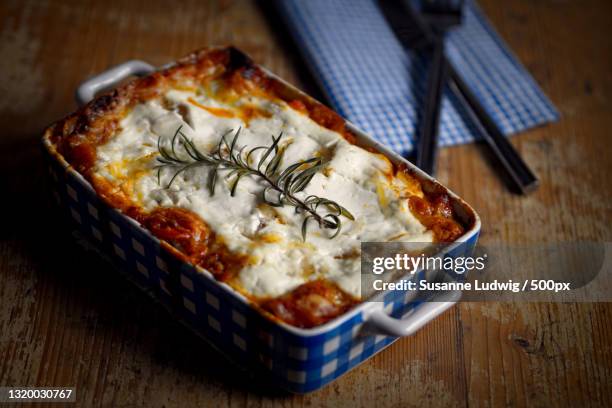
(282, 186)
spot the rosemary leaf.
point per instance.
(281, 187)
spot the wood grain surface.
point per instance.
(66, 320)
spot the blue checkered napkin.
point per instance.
(370, 79)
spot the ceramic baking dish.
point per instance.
(299, 360)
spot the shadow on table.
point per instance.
(285, 41)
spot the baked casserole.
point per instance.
(262, 186)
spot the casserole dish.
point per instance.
(232, 318)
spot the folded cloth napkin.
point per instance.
(370, 79)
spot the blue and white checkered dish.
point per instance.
(299, 360)
(370, 79)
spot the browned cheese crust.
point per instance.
(77, 137)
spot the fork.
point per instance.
(442, 14)
(414, 33)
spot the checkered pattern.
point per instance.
(370, 79)
(296, 361)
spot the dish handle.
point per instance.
(382, 323)
(112, 76)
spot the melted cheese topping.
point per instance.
(280, 260)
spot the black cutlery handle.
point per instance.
(515, 166)
(430, 119)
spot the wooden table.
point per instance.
(66, 320)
